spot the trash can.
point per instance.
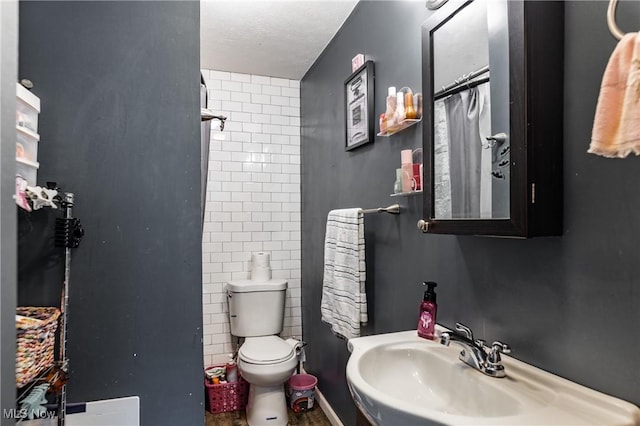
(301, 392)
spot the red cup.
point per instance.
(417, 177)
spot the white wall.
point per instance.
(253, 196)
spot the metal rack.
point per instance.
(68, 233)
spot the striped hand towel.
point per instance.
(344, 301)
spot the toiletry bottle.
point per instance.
(409, 111)
(390, 113)
(428, 310)
(406, 161)
(231, 370)
(417, 104)
(383, 123)
(397, 186)
(400, 112)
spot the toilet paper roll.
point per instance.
(297, 345)
(260, 274)
(261, 259)
(260, 266)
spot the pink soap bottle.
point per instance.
(428, 310)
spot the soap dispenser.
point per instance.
(428, 310)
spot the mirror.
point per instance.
(470, 107)
(492, 81)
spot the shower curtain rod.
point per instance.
(464, 81)
(461, 88)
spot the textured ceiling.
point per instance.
(277, 38)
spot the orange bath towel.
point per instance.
(616, 126)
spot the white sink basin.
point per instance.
(402, 379)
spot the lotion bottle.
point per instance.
(409, 110)
(428, 310)
(406, 159)
(400, 111)
(231, 370)
(390, 112)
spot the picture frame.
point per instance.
(359, 107)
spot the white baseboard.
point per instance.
(326, 408)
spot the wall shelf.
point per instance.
(400, 127)
(406, 194)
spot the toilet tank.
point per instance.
(256, 308)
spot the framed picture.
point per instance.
(358, 90)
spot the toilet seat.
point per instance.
(264, 350)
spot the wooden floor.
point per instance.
(313, 417)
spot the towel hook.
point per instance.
(611, 20)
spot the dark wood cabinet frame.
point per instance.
(536, 57)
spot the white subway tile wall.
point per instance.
(253, 197)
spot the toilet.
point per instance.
(266, 361)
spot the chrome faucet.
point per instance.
(474, 352)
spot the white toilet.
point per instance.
(266, 361)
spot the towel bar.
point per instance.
(393, 209)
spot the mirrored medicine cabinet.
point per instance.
(493, 89)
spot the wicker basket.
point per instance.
(35, 342)
(225, 397)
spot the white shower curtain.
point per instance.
(468, 123)
(205, 137)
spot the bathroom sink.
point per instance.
(402, 379)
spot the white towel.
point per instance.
(344, 301)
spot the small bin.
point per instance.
(225, 397)
(27, 144)
(28, 170)
(27, 108)
(301, 392)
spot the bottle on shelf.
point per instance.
(390, 113)
(417, 99)
(410, 111)
(383, 123)
(406, 156)
(400, 111)
(397, 186)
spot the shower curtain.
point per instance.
(205, 137)
(441, 175)
(468, 124)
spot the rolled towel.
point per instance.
(616, 126)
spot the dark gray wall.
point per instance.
(570, 305)
(8, 74)
(120, 127)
